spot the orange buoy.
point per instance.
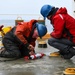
(69, 71)
(54, 54)
(42, 44)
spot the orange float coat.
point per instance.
(23, 31)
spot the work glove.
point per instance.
(31, 52)
(31, 48)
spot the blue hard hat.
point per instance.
(45, 10)
(42, 30)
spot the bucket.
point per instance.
(19, 19)
(41, 20)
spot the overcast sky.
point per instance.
(12, 9)
(28, 6)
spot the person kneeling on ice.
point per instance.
(63, 34)
(20, 41)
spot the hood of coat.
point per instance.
(31, 23)
(59, 11)
(31, 26)
(62, 11)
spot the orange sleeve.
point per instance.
(20, 31)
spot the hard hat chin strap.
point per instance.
(53, 11)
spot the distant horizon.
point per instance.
(11, 9)
(12, 23)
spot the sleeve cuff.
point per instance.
(27, 44)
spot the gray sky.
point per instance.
(12, 9)
(28, 6)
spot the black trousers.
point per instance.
(13, 49)
(63, 45)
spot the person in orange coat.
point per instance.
(20, 41)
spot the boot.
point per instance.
(7, 54)
(72, 50)
(3, 57)
(61, 53)
(68, 56)
(64, 52)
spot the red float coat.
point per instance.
(63, 24)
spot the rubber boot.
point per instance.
(72, 50)
(70, 54)
(61, 53)
(7, 54)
